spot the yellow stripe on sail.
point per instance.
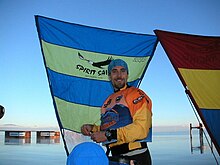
(73, 116)
(67, 61)
(204, 86)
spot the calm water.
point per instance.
(167, 148)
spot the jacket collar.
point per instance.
(125, 87)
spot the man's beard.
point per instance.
(119, 85)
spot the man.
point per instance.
(126, 118)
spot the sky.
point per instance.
(24, 89)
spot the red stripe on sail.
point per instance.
(191, 51)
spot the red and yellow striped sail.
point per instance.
(196, 60)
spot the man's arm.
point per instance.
(139, 129)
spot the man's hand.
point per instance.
(86, 129)
(98, 137)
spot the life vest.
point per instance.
(115, 112)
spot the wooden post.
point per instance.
(191, 138)
(199, 127)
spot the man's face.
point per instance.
(118, 77)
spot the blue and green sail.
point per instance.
(76, 59)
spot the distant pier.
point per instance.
(46, 134)
(48, 137)
(17, 137)
(201, 146)
(17, 134)
(23, 137)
